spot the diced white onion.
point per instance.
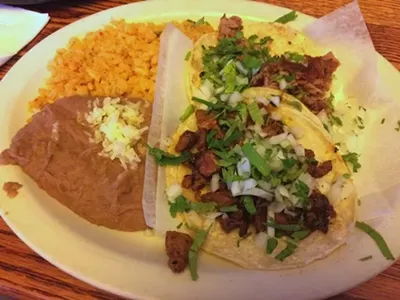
(291, 139)
(283, 191)
(241, 68)
(244, 167)
(282, 84)
(286, 129)
(276, 116)
(238, 150)
(261, 240)
(220, 90)
(224, 97)
(285, 143)
(276, 100)
(236, 188)
(210, 218)
(235, 98)
(193, 219)
(249, 184)
(277, 207)
(297, 132)
(276, 165)
(173, 192)
(265, 185)
(206, 91)
(257, 128)
(148, 232)
(262, 100)
(280, 154)
(335, 193)
(255, 70)
(275, 140)
(258, 193)
(263, 111)
(278, 196)
(260, 149)
(308, 180)
(290, 213)
(323, 116)
(214, 182)
(299, 150)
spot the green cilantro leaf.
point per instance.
(163, 158)
(198, 241)
(249, 205)
(352, 158)
(287, 17)
(272, 243)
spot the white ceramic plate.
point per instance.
(133, 265)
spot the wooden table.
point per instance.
(25, 275)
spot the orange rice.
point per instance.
(118, 60)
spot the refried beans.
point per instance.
(54, 149)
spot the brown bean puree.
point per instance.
(54, 150)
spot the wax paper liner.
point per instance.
(371, 97)
(169, 104)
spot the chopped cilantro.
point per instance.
(231, 208)
(187, 113)
(287, 17)
(255, 113)
(252, 62)
(284, 227)
(347, 175)
(181, 205)
(164, 159)
(229, 174)
(380, 242)
(289, 163)
(362, 108)
(256, 159)
(294, 56)
(230, 78)
(187, 56)
(358, 202)
(290, 248)
(352, 158)
(249, 205)
(198, 241)
(326, 127)
(302, 191)
(179, 225)
(300, 235)
(383, 120)
(366, 258)
(398, 126)
(336, 120)
(272, 243)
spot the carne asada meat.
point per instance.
(194, 181)
(228, 27)
(205, 120)
(221, 197)
(11, 188)
(320, 170)
(206, 164)
(177, 246)
(316, 169)
(313, 77)
(201, 144)
(318, 217)
(261, 215)
(272, 128)
(186, 141)
(232, 221)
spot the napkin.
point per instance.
(17, 28)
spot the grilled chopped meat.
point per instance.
(228, 27)
(221, 197)
(194, 181)
(232, 221)
(318, 217)
(177, 245)
(206, 164)
(273, 128)
(243, 228)
(186, 141)
(205, 120)
(320, 170)
(201, 144)
(313, 78)
(261, 215)
(309, 154)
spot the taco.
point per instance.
(296, 202)
(265, 54)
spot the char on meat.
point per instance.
(320, 213)
(205, 163)
(177, 245)
(221, 197)
(260, 217)
(186, 141)
(194, 181)
(238, 219)
(205, 120)
(319, 170)
(273, 128)
(201, 144)
(228, 27)
(313, 77)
